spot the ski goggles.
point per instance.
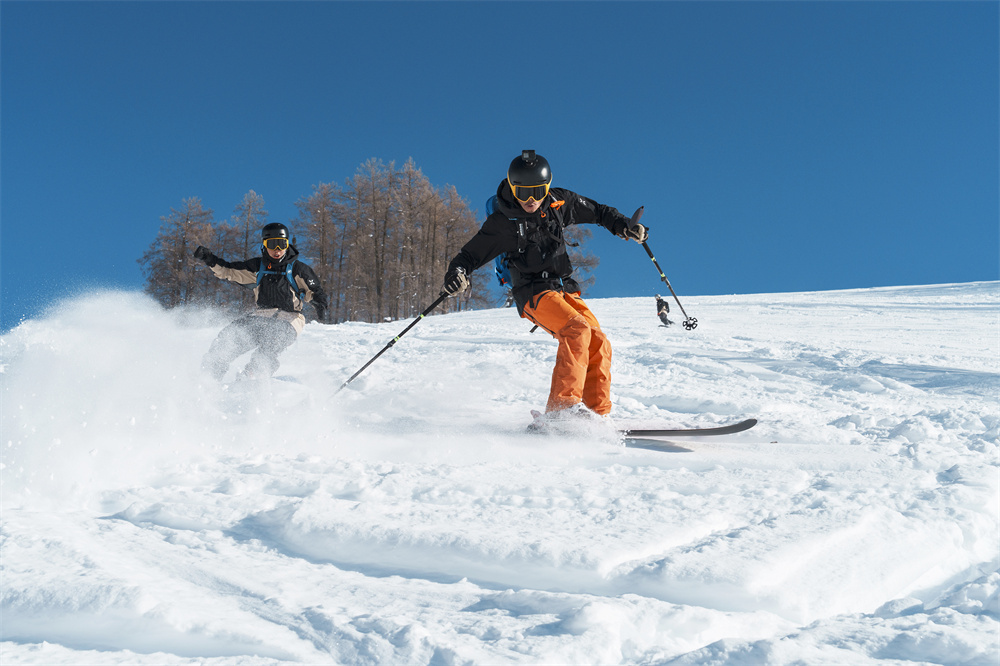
(526, 193)
(276, 243)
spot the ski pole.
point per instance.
(690, 323)
(423, 314)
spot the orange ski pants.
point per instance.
(583, 359)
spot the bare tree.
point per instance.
(461, 225)
(172, 277)
(381, 243)
(227, 241)
(414, 199)
(584, 262)
(248, 218)
(368, 217)
(238, 239)
(321, 223)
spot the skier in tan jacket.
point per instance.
(283, 285)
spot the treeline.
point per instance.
(380, 244)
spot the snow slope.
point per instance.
(149, 519)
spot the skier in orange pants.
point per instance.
(525, 227)
(583, 360)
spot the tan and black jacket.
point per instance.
(273, 293)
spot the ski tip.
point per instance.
(742, 425)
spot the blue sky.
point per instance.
(777, 146)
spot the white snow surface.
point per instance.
(409, 519)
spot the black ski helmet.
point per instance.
(529, 175)
(274, 230)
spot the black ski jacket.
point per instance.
(534, 242)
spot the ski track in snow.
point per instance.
(149, 518)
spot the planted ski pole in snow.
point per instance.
(413, 323)
(690, 323)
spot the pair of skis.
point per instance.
(659, 439)
(631, 433)
(729, 429)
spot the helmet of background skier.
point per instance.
(274, 230)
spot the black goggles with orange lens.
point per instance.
(276, 243)
(526, 193)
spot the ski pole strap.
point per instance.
(423, 314)
(690, 323)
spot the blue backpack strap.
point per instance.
(291, 281)
(501, 269)
(500, 263)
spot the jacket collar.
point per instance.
(273, 264)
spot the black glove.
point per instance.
(635, 231)
(456, 281)
(205, 255)
(320, 313)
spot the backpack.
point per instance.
(288, 275)
(501, 265)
